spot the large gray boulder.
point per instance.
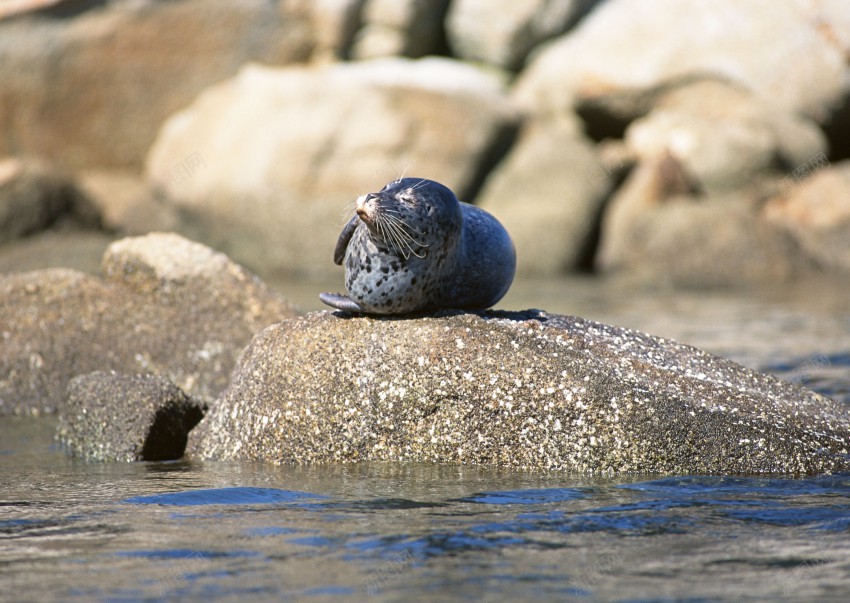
(165, 305)
(512, 389)
(793, 53)
(90, 84)
(112, 417)
(265, 165)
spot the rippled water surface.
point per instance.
(73, 531)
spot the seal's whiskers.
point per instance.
(395, 232)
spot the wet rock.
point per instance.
(112, 417)
(504, 32)
(264, 166)
(548, 192)
(166, 306)
(792, 53)
(89, 84)
(512, 389)
(815, 211)
(410, 28)
(723, 136)
(33, 196)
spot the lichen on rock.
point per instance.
(524, 389)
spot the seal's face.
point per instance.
(407, 232)
(410, 216)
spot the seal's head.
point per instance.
(411, 217)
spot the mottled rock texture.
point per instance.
(512, 389)
(165, 305)
(114, 417)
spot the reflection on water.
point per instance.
(399, 532)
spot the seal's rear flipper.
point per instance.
(340, 302)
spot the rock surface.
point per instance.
(125, 203)
(334, 23)
(258, 130)
(114, 417)
(265, 165)
(512, 389)
(165, 305)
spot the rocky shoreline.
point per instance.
(114, 355)
(677, 142)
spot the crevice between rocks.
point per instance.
(496, 152)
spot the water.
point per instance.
(74, 531)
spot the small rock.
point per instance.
(654, 181)
(723, 136)
(657, 229)
(166, 306)
(516, 390)
(114, 417)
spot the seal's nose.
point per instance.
(360, 204)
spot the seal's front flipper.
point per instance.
(342, 242)
(340, 302)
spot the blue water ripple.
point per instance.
(223, 496)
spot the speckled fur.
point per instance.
(459, 255)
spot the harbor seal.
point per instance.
(413, 247)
